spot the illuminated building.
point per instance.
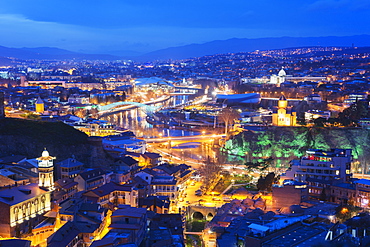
(278, 79)
(19, 205)
(284, 115)
(354, 97)
(45, 84)
(311, 115)
(237, 99)
(39, 105)
(90, 179)
(78, 99)
(124, 144)
(362, 193)
(313, 98)
(321, 168)
(113, 194)
(64, 188)
(46, 170)
(130, 220)
(69, 168)
(291, 193)
(161, 184)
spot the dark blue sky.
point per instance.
(143, 25)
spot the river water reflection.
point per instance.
(135, 120)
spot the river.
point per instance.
(135, 120)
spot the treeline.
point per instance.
(283, 144)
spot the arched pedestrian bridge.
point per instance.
(201, 212)
(148, 107)
(118, 105)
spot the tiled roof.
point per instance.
(64, 235)
(22, 193)
(87, 175)
(107, 189)
(70, 162)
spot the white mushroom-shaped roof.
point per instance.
(282, 72)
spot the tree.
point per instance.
(209, 171)
(261, 166)
(228, 116)
(353, 113)
(265, 183)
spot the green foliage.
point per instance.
(287, 143)
(197, 225)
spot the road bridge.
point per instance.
(183, 138)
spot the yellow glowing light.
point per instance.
(344, 210)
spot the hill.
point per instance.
(29, 138)
(50, 53)
(247, 45)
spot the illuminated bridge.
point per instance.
(184, 138)
(147, 107)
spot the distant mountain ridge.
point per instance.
(50, 53)
(192, 50)
(247, 45)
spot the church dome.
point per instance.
(282, 73)
(45, 153)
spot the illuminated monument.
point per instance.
(278, 79)
(46, 170)
(284, 115)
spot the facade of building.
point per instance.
(112, 194)
(69, 168)
(130, 220)
(90, 179)
(279, 78)
(19, 205)
(321, 168)
(362, 192)
(64, 188)
(284, 115)
(289, 194)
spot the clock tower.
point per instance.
(46, 170)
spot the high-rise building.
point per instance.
(319, 169)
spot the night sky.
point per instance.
(143, 25)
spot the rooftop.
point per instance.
(15, 195)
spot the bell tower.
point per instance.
(39, 105)
(46, 170)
